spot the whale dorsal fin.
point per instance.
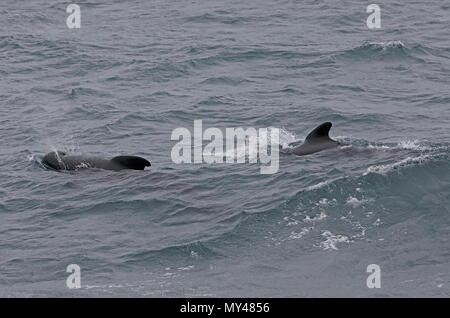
(320, 133)
(132, 162)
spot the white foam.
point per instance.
(406, 144)
(299, 235)
(379, 147)
(82, 165)
(388, 44)
(412, 145)
(377, 222)
(383, 169)
(290, 222)
(319, 217)
(287, 137)
(332, 240)
(355, 202)
(244, 151)
(318, 185)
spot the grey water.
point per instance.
(136, 70)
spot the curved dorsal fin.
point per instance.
(132, 162)
(320, 133)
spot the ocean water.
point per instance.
(136, 70)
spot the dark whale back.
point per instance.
(54, 160)
(320, 133)
(317, 140)
(61, 161)
(131, 162)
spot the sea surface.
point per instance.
(136, 70)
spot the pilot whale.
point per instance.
(316, 141)
(59, 160)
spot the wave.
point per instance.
(339, 212)
(335, 212)
(407, 162)
(289, 140)
(384, 51)
(226, 80)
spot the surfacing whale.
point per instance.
(61, 161)
(317, 140)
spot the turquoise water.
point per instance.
(135, 71)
